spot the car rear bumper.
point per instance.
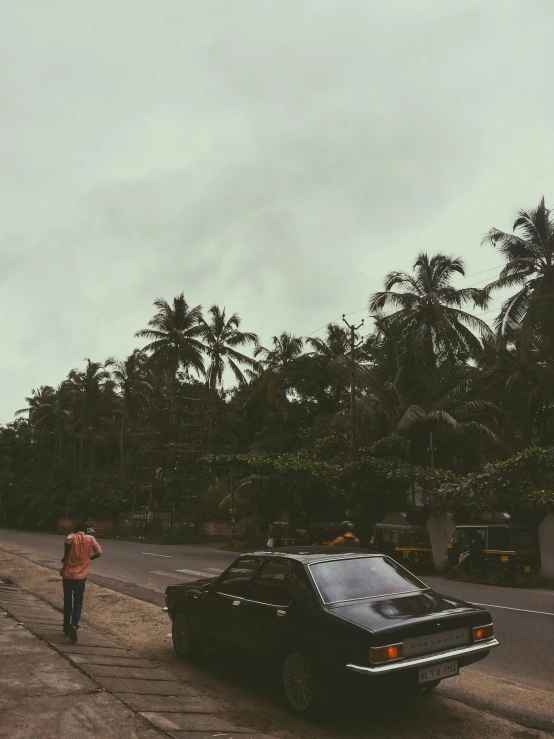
(471, 653)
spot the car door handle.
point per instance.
(236, 603)
(281, 614)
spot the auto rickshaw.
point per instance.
(409, 545)
(510, 554)
(290, 536)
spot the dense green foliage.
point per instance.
(436, 389)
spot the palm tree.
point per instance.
(286, 348)
(429, 309)
(335, 344)
(222, 337)
(129, 377)
(522, 385)
(174, 333)
(48, 412)
(88, 388)
(445, 401)
(529, 256)
(39, 404)
(277, 362)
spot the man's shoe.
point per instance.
(73, 634)
(66, 630)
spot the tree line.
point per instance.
(435, 385)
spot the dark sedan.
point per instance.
(321, 613)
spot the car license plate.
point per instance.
(438, 672)
(527, 569)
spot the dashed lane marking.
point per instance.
(170, 574)
(195, 572)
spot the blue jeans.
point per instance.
(73, 594)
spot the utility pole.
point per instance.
(353, 347)
(431, 450)
(233, 510)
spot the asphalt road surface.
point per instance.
(522, 668)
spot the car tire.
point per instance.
(493, 576)
(186, 643)
(303, 684)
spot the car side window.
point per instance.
(272, 584)
(301, 587)
(238, 578)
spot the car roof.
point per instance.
(312, 554)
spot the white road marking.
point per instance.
(508, 608)
(214, 569)
(194, 572)
(151, 554)
(169, 574)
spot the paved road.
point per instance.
(524, 618)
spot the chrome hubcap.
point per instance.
(298, 682)
(181, 634)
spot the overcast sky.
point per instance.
(277, 157)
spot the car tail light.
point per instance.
(390, 653)
(481, 633)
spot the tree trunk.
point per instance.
(91, 451)
(172, 396)
(83, 427)
(122, 433)
(213, 398)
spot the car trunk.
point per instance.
(411, 615)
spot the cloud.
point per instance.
(277, 158)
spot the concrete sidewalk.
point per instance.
(50, 687)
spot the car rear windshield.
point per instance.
(362, 577)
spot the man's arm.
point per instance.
(67, 549)
(96, 549)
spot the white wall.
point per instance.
(546, 540)
(440, 530)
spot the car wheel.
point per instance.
(493, 576)
(301, 684)
(185, 642)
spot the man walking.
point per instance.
(80, 550)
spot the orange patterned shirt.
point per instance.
(77, 564)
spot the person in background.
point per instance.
(271, 536)
(90, 527)
(347, 539)
(475, 554)
(80, 550)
